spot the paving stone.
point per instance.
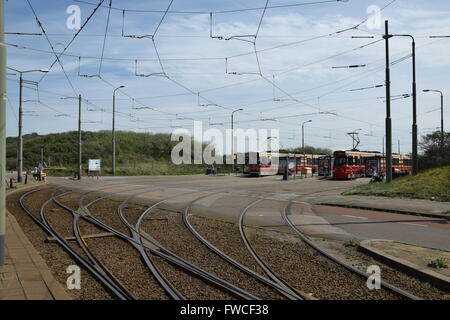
(26, 275)
(5, 293)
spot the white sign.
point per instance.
(94, 165)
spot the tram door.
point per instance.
(325, 166)
(372, 164)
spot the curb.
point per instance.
(437, 279)
(409, 213)
(25, 188)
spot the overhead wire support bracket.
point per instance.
(149, 36)
(205, 105)
(145, 75)
(85, 75)
(236, 73)
(274, 95)
(366, 88)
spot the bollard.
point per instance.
(286, 172)
(11, 184)
(26, 178)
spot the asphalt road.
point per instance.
(365, 224)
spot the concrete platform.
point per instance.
(400, 205)
(411, 259)
(26, 276)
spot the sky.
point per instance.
(292, 77)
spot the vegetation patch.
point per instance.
(351, 243)
(432, 184)
(439, 263)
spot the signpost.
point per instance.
(94, 166)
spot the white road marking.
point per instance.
(365, 218)
(415, 224)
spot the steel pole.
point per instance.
(303, 137)
(79, 138)
(20, 138)
(114, 134)
(388, 109)
(2, 136)
(414, 126)
(232, 140)
(442, 121)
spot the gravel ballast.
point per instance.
(288, 256)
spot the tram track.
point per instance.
(46, 226)
(285, 215)
(152, 252)
(286, 292)
(145, 242)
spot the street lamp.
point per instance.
(20, 139)
(442, 114)
(232, 135)
(303, 135)
(414, 96)
(114, 130)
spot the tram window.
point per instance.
(395, 161)
(339, 161)
(350, 161)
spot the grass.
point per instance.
(439, 263)
(432, 184)
(151, 168)
(351, 243)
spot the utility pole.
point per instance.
(19, 138)
(42, 155)
(114, 131)
(303, 135)
(442, 121)
(2, 135)
(398, 146)
(388, 109)
(79, 138)
(415, 160)
(232, 136)
(414, 126)
(442, 114)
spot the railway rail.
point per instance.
(148, 247)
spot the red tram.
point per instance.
(355, 164)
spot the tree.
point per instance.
(432, 153)
(309, 150)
